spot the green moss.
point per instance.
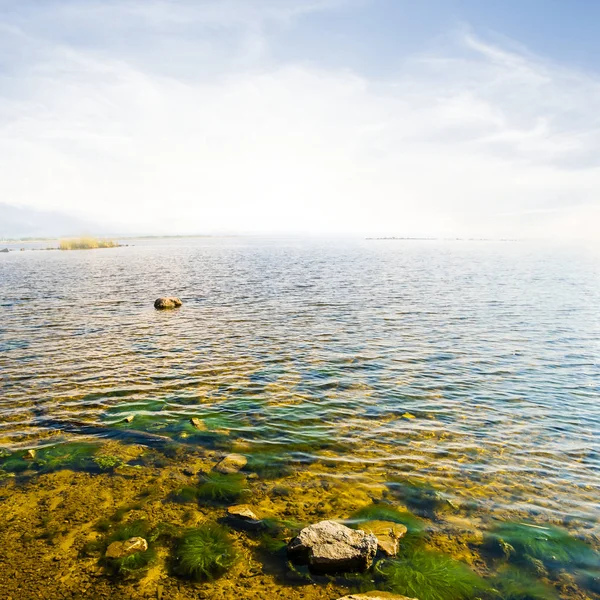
(15, 464)
(204, 553)
(216, 487)
(530, 545)
(430, 576)
(512, 584)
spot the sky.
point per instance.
(449, 118)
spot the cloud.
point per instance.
(473, 140)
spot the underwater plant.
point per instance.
(385, 512)
(419, 496)
(513, 584)
(183, 495)
(204, 553)
(430, 576)
(108, 463)
(217, 487)
(131, 564)
(529, 544)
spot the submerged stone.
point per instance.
(243, 512)
(167, 302)
(198, 424)
(388, 534)
(232, 463)
(118, 550)
(330, 547)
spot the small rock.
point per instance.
(198, 424)
(330, 547)
(130, 546)
(188, 472)
(167, 302)
(128, 418)
(388, 535)
(407, 415)
(243, 512)
(232, 463)
(29, 455)
(4, 250)
(376, 596)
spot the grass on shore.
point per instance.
(86, 243)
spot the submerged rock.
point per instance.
(198, 424)
(167, 302)
(243, 517)
(243, 512)
(232, 463)
(388, 535)
(330, 547)
(376, 596)
(131, 546)
(29, 455)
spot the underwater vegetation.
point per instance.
(419, 496)
(385, 512)
(269, 466)
(430, 575)
(74, 456)
(539, 547)
(513, 584)
(220, 488)
(184, 495)
(204, 553)
(132, 564)
(108, 463)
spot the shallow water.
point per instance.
(379, 369)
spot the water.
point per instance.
(470, 370)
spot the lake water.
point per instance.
(455, 382)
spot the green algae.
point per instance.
(134, 564)
(419, 496)
(430, 575)
(384, 512)
(513, 584)
(221, 488)
(535, 545)
(203, 553)
(184, 495)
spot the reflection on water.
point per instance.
(457, 382)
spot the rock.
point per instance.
(167, 302)
(243, 517)
(376, 596)
(243, 512)
(407, 415)
(387, 533)
(4, 250)
(130, 546)
(330, 547)
(198, 424)
(29, 455)
(232, 463)
(128, 418)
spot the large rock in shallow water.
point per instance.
(329, 547)
(164, 303)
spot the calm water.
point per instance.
(318, 355)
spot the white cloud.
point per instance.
(477, 140)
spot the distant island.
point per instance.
(86, 243)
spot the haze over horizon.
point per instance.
(370, 117)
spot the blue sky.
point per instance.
(376, 117)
